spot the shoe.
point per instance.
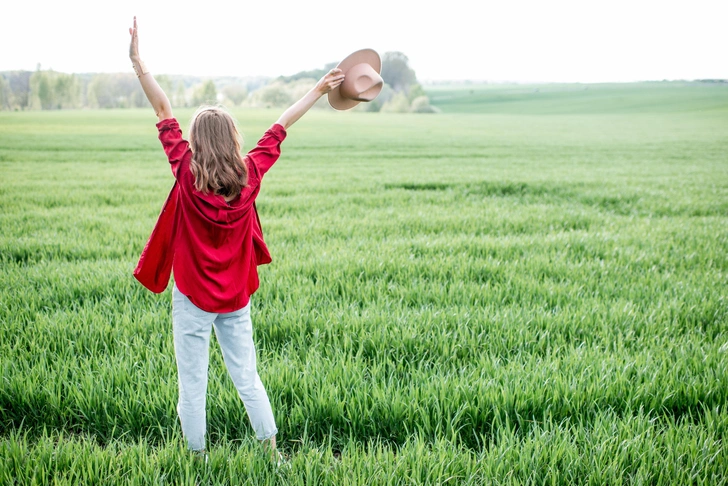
(282, 461)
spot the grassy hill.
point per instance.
(557, 99)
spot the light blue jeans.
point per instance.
(234, 331)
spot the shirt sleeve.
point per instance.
(174, 145)
(268, 149)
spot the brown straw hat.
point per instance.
(362, 82)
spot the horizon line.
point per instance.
(424, 81)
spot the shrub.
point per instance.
(421, 104)
(398, 104)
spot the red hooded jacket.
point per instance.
(212, 245)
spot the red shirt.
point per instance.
(213, 246)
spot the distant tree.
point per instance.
(50, 90)
(4, 94)
(421, 104)
(164, 82)
(396, 71)
(236, 93)
(312, 74)
(115, 91)
(41, 93)
(136, 99)
(205, 93)
(274, 95)
(398, 104)
(415, 91)
(19, 85)
(256, 83)
(93, 92)
(67, 91)
(180, 96)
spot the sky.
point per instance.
(510, 40)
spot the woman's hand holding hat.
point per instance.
(326, 84)
(330, 81)
(363, 79)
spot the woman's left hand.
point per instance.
(330, 81)
(134, 44)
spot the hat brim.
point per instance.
(369, 56)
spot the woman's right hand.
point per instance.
(134, 44)
(330, 81)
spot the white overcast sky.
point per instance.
(508, 40)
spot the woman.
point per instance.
(209, 235)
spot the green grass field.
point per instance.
(669, 98)
(524, 291)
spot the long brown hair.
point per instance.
(217, 163)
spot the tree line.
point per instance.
(52, 90)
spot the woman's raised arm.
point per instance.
(155, 94)
(330, 81)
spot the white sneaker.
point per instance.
(281, 460)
